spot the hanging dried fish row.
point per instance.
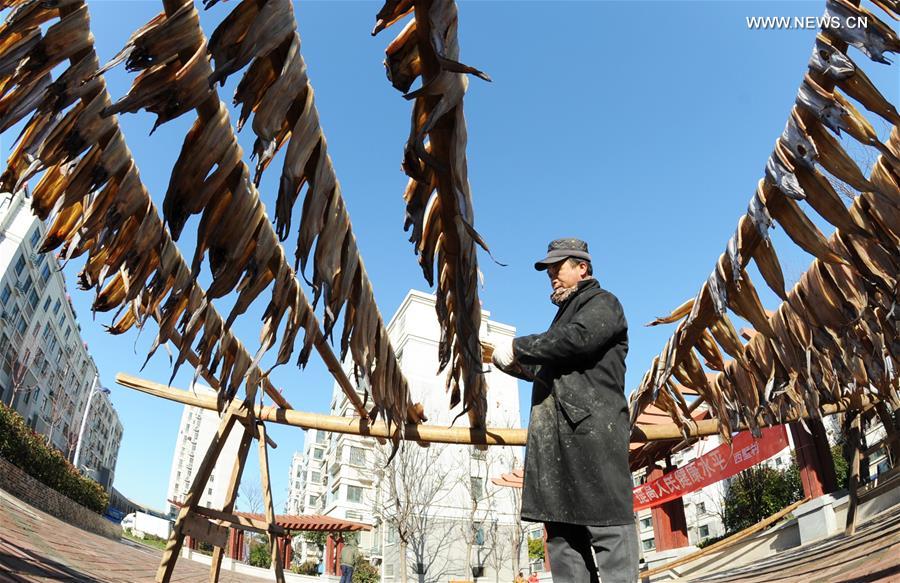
(836, 333)
(93, 190)
(438, 199)
(211, 178)
(276, 90)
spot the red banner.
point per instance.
(718, 464)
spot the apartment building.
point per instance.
(466, 513)
(46, 371)
(306, 490)
(195, 433)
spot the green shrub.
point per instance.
(260, 555)
(364, 571)
(24, 448)
(204, 547)
(757, 493)
(306, 568)
(841, 467)
(535, 548)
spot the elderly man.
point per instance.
(577, 479)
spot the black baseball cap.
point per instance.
(561, 249)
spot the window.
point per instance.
(701, 507)
(313, 499)
(389, 570)
(56, 307)
(47, 304)
(45, 273)
(479, 534)
(20, 265)
(646, 523)
(318, 453)
(68, 332)
(354, 494)
(357, 456)
(33, 299)
(321, 437)
(21, 325)
(315, 477)
(477, 485)
(5, 294)
(35, 237)
(26, 285)
(648, 544)
(704, 531)
(391, 536)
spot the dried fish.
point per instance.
(874, 39)
(677, 314)
(769, 267)
(251, 30)
(796, 224)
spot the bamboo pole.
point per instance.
(176, 539)
(230, 498)
(276, 559)
(443, 434)
(737, 537)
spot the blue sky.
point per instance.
(642, 127)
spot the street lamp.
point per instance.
(95, 388)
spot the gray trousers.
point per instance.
(615, 549)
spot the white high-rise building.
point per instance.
(195, 433)
(306, 489)
(353, 480)
(46, 371)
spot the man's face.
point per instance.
(565, 275)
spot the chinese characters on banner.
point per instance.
(718, 464)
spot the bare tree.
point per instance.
(252, 498)
(71, 443)
(18, 361)
(409, 486)
(518, 533)
(480, 502)
(497, 537)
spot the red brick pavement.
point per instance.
(35, 546)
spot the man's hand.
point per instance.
(503, 357)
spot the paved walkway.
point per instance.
(35, 546)
(871, 554)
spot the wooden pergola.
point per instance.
(286, 527)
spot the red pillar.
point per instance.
(669, 523)
(813, 458)
(337, 554)
(240, 545)
(329, 555)
(287, 552)
(232, 543)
